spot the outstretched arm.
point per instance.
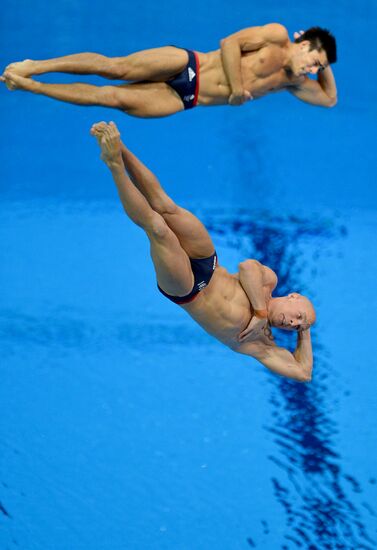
(297, 365)
(246, 40)
(320, 92)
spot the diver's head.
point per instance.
(313, 51)
(292, 312)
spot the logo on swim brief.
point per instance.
(188, 97)
(201, 285)
(214, 263)
(191, 74)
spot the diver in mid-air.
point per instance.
(237, 309)
(250, 64)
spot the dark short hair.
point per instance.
(320, 39)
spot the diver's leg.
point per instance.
(77, 93)
(172, 265)
(157, 64)
(148, 100)
(192, 234)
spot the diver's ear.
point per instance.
(304, 44)
(293, 295)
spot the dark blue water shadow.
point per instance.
(316, 494)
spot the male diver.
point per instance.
(236, 309)
(250, 64)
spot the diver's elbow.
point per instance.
(303, 374)
(332, 101)
(304, 377)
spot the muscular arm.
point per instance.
(257, 280)
(297, 366)
(247, 40)
(317, 92)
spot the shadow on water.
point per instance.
(314, 491)
(322, 503)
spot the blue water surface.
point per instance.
(123, 425)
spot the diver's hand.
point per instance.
(256, 325)
(297, 34)
(239, 98)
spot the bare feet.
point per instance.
(22, 68)
(97, 130)
(15, 82)
(108, 138)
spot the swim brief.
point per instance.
(186, 83)
(203, 270)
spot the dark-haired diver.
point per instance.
(236, 309)
(250, 64)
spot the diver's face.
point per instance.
(307, 61)
(290, 312)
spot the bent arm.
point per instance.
(320, 92)
(297, 366)
(304, 352)
(247, 40)
(257, 279)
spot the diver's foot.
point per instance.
(24, 68)
(15, 82)
(97, 130)
(108, 138)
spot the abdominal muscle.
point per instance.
(222, 308)
(213, 85)
(262, 73)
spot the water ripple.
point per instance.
(312, 488)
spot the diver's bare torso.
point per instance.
(262, 71)
(223, 308)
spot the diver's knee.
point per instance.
(164, 205)
(112, 97)
(158, 228)
(121, 68)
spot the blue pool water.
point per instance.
(123, 425)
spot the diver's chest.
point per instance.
(266, 62)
